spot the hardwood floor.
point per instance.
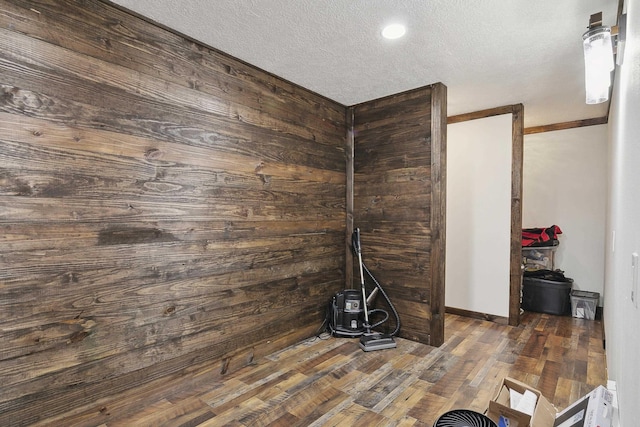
(331, 382)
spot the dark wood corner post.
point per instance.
(438, 210)
(517, 152)
(349, 151)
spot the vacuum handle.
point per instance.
(355, 241)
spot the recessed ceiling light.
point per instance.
(393, 31)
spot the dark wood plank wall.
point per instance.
(393, 203)
(162, 206)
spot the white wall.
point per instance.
(621, 318)
(479, 215)
(565, 183)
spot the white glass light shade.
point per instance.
(598, 62)
(393, 31)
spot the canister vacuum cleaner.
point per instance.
(349, 312)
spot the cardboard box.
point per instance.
(543, 413)
(593, 410)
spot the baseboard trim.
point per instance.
(477, 315)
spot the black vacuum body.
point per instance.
(346, 314)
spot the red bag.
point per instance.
(541, 236)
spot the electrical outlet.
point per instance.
(634, 279)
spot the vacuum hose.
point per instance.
(355, 243)
(386, 297)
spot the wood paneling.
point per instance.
(163, 207)
(399, 194)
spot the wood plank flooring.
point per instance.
(331, 382)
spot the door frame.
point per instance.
(517, 156)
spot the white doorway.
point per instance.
(479, 215)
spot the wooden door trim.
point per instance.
(566, 125)
(517, 156)
(438, 211)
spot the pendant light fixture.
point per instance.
(598, 60)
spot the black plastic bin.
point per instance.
(547, 296)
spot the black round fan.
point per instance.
(463, 418)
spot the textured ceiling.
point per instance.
(488, 53)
